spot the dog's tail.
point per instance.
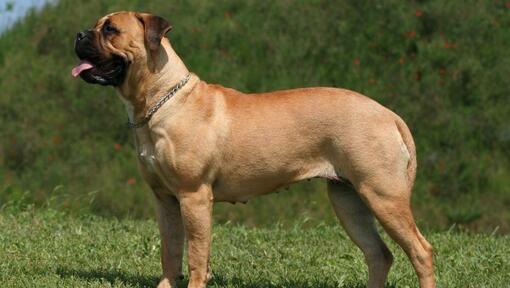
(405, 133)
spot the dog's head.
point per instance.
(116, 42)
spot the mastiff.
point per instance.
(198, 143)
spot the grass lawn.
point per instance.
(45, 248)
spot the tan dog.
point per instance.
(208, 143)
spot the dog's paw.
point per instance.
(166, 283)
(209, 273)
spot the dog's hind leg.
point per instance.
(390, 203)
(358, 222)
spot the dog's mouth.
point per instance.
(95, 67)
(82, 66)
(107, 72)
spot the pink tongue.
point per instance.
(84, 65)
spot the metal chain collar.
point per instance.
(160, 103)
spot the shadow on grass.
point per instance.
(220, 281)
(116, 277)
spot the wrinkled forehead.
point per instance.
(119, 20)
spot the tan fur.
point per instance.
(210, 143)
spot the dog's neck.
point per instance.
(162, 73)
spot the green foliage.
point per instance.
(442, 66)
(9, 6)
(50, 249)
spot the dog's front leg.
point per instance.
(196, 210)
(172, 238)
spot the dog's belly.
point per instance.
(242, 186)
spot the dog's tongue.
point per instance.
(84, 65)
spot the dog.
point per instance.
(198, 143)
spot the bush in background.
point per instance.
(442, 66)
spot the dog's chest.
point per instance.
(147, 156)
(158, 171)
(147, 153)
(159, 162)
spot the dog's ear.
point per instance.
(155, 28)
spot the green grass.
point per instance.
(46, 248)
(442, 65)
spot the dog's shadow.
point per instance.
(116, 277)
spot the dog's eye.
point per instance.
(107, 28)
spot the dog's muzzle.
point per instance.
(94, 66)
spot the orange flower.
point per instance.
(56, 139)
(131, 181)
(117, 146)
(417, 75)
(410, 34)
(449, 45)
(401, 60)
(508, 4)
(356, 62)
(418, 13)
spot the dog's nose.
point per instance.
(80, 35)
